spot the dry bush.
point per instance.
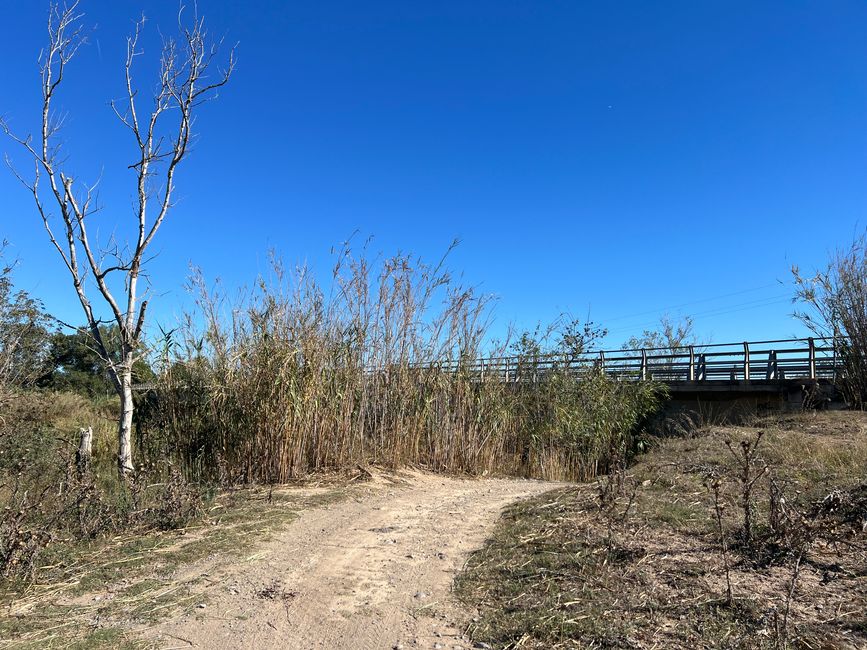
(792, 527)
(749, 472)
(835, 306)
(21, 540)
(46, 499)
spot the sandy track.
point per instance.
(372, 571)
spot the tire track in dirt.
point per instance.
(372, 571)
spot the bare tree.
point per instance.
(669, 336)
(162, 133)
(834, 305)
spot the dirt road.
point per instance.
(371, 571)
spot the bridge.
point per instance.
(786, 368)
(748, 361)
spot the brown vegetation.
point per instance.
(297, 379)
(557, 574)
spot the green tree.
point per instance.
(24, 331)
(75, 365)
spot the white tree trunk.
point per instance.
(124, 428)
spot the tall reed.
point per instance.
(293, 379)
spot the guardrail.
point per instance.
(777, 360)
(807, 358)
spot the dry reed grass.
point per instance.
(295, 378)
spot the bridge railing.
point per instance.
(775, 360)
(807, 358)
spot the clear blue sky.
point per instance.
(619, 158)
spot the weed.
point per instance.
(714, 483)
(748, 476)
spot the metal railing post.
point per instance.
(691, 363)
(772, 366)
(643, 365)
(812, 343)
(746, 361)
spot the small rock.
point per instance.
(438, 646)
(482, 645)
(420, 594)
(397, 646)
(201, 605)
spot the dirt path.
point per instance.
(372, 571)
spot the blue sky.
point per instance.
(617, 159)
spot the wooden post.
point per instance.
(643, 365)
(691, 363)
(812, 343)
(83, 455)
(746, 361)
(602, 360)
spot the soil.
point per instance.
(374, 570)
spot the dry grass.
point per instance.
(558, 575)
(96, 595)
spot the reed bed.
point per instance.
(290, 379)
